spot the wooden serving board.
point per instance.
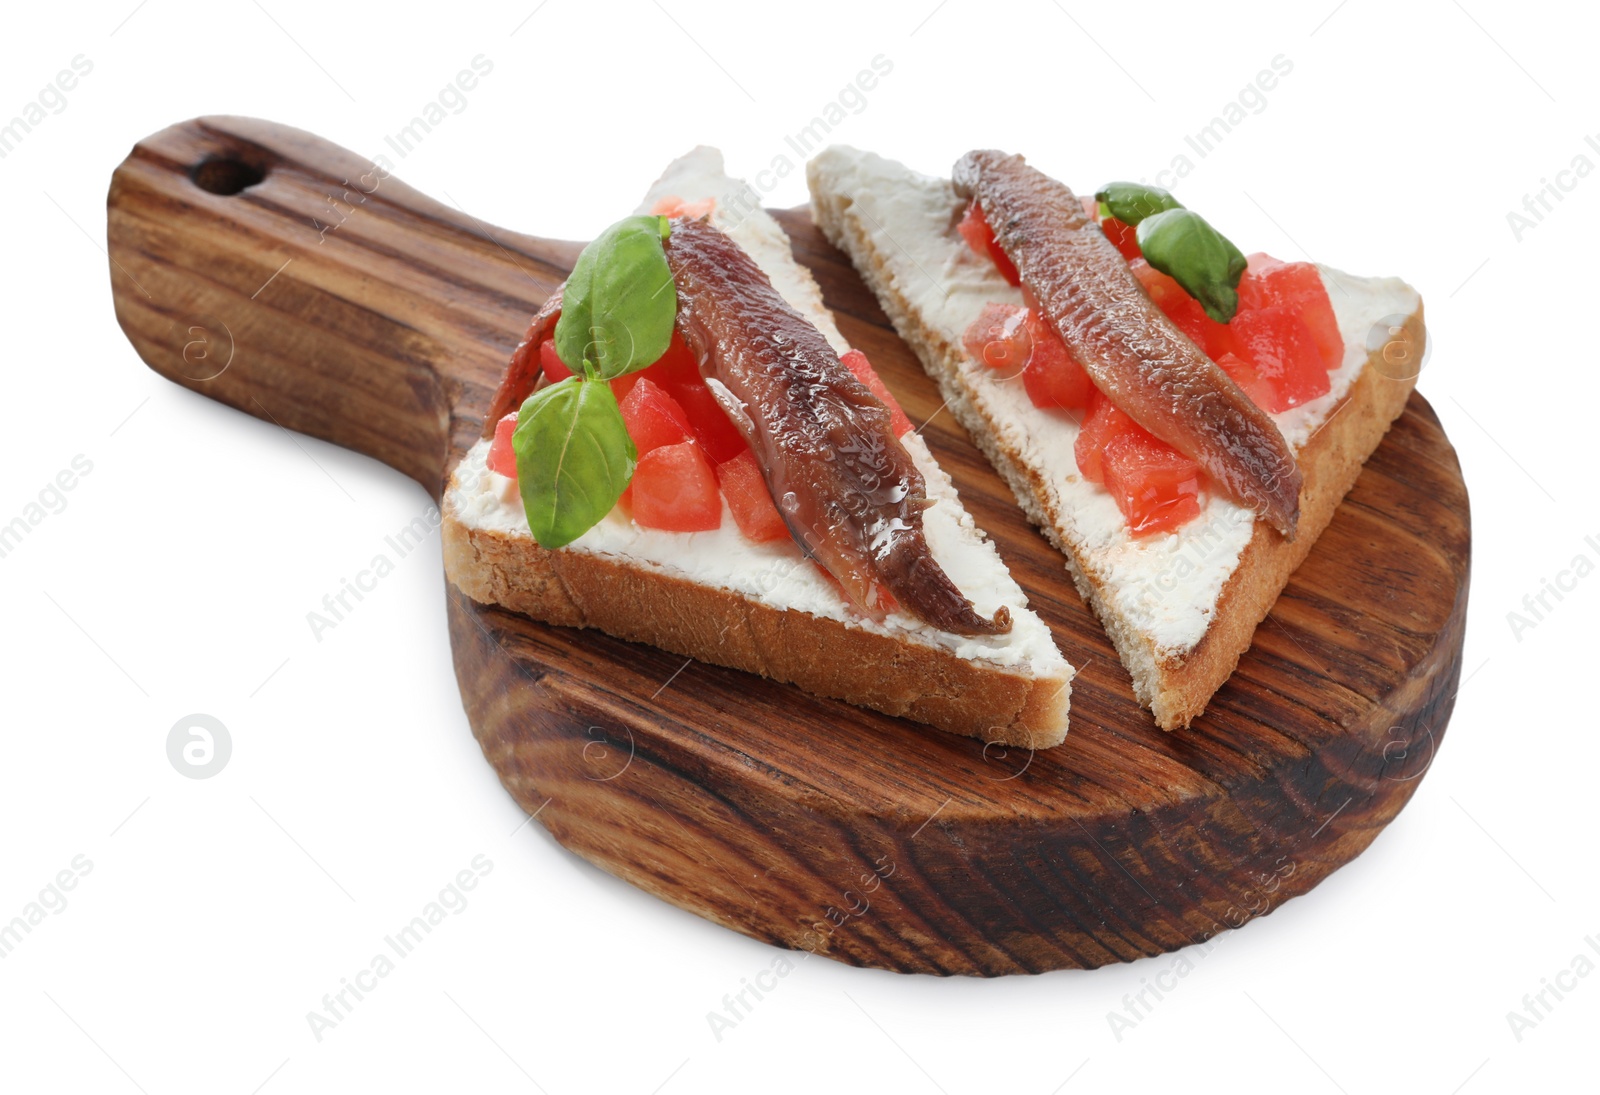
(296, 281)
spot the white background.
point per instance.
(178, 576)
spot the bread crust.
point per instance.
(1176, 688)
(644, 603)
(1330, 462)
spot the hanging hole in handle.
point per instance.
(226, 176)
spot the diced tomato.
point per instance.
(709, 422)
(677, 366)
(673, 206)
(677, 372)
(1256, 265)
(653, 417)
(857, 363)
(1186, 313)
(1298, 286)
(622, 385)
(1052, 376)
(675, 489)
(501, 457)
(974, 228)
(1284, 351)
(1103, 422)
(1125, 237)
(750, 500)
(998, 338)
(1256, 290)
(1285, 331)
(554, 368)
(1262, 392)
(1156, 487)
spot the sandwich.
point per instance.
(1178, 419)
(686, 452)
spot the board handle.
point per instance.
(304, 284)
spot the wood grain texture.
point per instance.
(801, 821)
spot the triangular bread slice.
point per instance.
(721, 598)
(1180, 607)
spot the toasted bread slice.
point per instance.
(1180, 607)
(721, 598)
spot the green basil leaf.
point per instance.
(574, 458)
(620, 303)
(1181, 243)
(1131, 203)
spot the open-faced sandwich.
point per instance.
(1178, 420)
(685, 452)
